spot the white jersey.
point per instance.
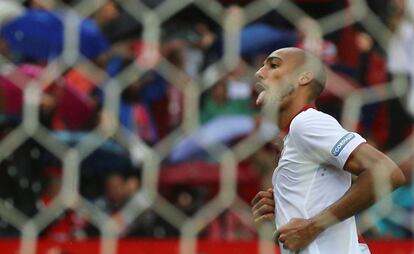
(310, 177)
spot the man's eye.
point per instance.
(274, 66)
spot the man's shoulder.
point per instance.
(313, 120)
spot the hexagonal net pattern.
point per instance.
(100, 96)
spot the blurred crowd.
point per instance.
(78, 64)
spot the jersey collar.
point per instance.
(286, 129)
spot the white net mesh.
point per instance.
(189, 88)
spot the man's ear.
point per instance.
(305, 78)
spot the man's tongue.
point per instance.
(260, 98)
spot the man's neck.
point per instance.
(286, 115)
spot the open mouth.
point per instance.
(261, 89)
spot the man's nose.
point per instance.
(259, 73)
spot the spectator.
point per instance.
(68, 226)
(229, 226)
(116, 194)
(371, 72)
(310, 38)
(149, 224)
(218, 103)
(400, 65)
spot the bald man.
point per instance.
(314, 201)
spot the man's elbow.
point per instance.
(388, 173)
(407, 171)
(395, 175)
(398, 178)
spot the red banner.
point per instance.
(172, 247)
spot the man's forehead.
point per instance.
(286, 54)
(275, 54)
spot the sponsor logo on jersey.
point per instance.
(339, 146)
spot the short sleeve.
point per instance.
(321, 138)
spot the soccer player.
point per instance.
(314, 200)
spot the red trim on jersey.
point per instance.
(286, 129)
(361, 238)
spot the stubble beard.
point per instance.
(278, 95)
